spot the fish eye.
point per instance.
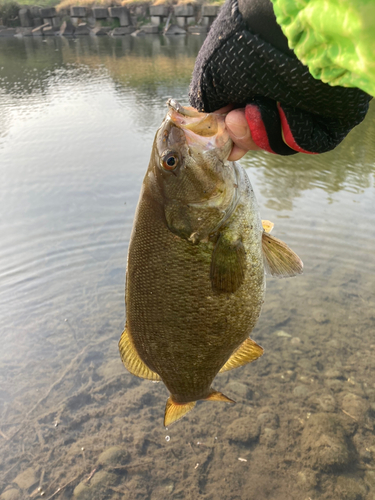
(170, 161)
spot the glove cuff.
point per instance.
(265, 127)
(287, 134)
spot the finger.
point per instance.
(239, 131)
(237, 153)
(225, 109)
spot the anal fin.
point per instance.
(218, 396)
(175, 411)
(247, 352)
(279, 259)
(131, 359)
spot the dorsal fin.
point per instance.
(175, 411)
(279, 259)
(267, 225)
(247, 352)
(131, 359)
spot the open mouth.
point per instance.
(204, 129)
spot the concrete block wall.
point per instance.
(193, 18)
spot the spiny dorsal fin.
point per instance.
(175, 411)
(279, 259)
(131, 359)
(218, 396)
(227, 265)
(247, 352)
(267, 225)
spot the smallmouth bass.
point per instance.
(197, 257)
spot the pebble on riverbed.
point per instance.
(282, 333)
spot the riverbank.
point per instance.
(135, 18)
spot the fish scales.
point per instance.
(181, 325)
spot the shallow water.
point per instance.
(77, 120)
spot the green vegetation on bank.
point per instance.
(8, 12)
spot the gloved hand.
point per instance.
(245, 60)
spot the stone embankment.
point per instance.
(114, 21)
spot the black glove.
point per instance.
(245, 60)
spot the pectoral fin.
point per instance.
(267, 225)
(279, 259)
(175, 411)
(247, 352)
(227, 265)
(131, 359)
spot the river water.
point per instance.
(77, 121)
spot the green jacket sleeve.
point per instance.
(334, 38)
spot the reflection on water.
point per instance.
(77, 123)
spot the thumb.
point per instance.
(239, 131)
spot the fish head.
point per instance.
(189, 164)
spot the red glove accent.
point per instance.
(287, 133)
(257, 129)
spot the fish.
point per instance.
(196, 265)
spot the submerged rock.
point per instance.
(301, 391)
(333, 373)
(325, 442)
(239, 389)
(244, 430)
(356, 406)
(307, 478)
(116, 455)
(27, 478)
(326, 402)
(100, 482)
(11, 494)
(350, 489)
(269, 437)
(268, 419)
(370, 480)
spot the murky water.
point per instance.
(77, 120)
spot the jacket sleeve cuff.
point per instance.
(336, 42)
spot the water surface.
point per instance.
(77, 121)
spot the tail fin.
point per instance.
(175, 411)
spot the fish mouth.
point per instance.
(206, 130)
(182, 110)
